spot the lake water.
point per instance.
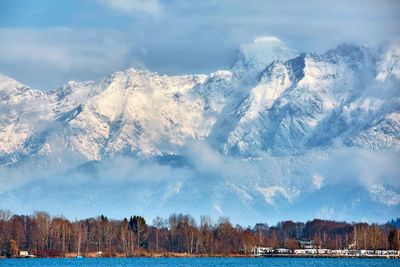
(200, 262)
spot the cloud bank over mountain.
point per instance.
(48, 43)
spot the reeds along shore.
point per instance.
(41, 235)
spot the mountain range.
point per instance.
(281, 134)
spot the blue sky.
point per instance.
(45, 43)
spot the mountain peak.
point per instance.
(7, 82)
(266, 39)
(256, 56)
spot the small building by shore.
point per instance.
(23, 253)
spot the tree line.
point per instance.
(47, 236)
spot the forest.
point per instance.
(45, 236)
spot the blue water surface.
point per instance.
(200, 262)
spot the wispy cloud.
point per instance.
(386, 196)
(271, 192)
(326, 213)
(317, 180)
(212, 183)
(174, 37)
(49, 53)
(134, 7)
(218, 209)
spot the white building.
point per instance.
(300, 251)
(262, 250)
(306, 243)
(24, 253)
(340, 252)
(312, 251)
(283, 251)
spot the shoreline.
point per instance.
(184, 255)
(330, 256)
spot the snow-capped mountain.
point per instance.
(348, 95)
(274, 102)
(319, 100)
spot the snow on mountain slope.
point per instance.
(290, 105)
(316, 100)
(131, 113)
(23, 112)
(293, 103)
(389, 65)
(138, 112)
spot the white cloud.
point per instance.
(245, 196)
(385, 196)
(46, 54)
(355, 202)
(272, 191)
(172, 189)
(317, 180)
(62, 48)
(181, 36)
(218, 208)
(266, 39)
(134, 7)
(326, 213)
(359, 166)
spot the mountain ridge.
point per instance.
(122, 103)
